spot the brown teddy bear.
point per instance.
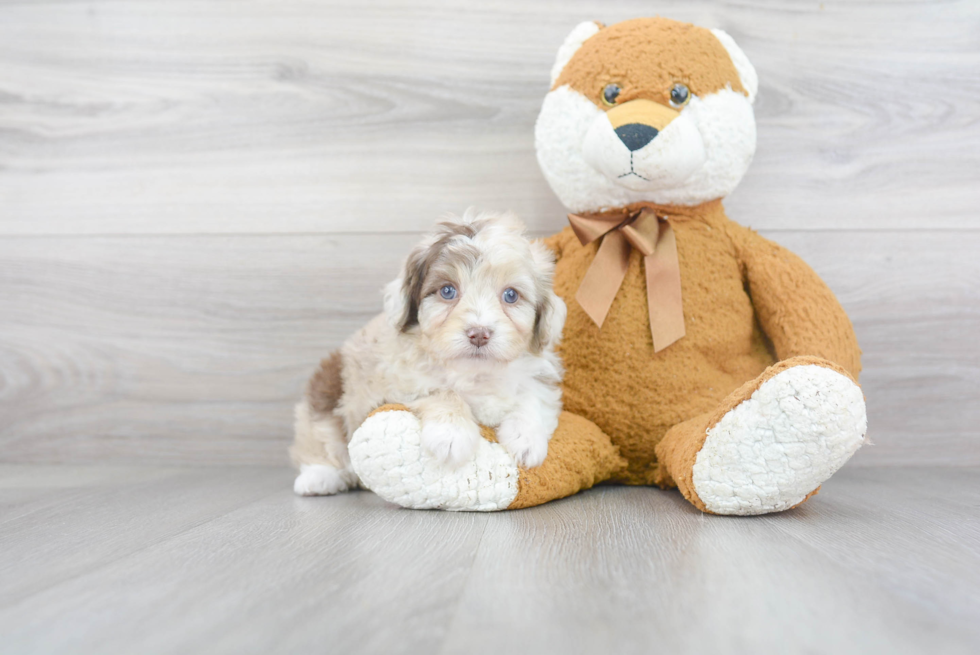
(698, 354)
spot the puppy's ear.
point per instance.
(549, 320)
(549, 314)
(395, 303)
(403, 296)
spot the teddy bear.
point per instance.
(698, 355)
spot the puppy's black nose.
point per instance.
(636, 135)
(478, 336)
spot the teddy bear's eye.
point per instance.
(679, 95)
(610, 93)
(448, 292)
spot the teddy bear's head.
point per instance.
(647, 110)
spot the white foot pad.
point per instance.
(321, 480)
(387, 455)
(774, 448)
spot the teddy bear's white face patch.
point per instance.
(667, 160)
(700, 155)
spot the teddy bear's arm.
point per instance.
(796, 309)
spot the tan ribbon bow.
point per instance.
(653, 236)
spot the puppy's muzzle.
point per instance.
(478, 336)
(638, 122)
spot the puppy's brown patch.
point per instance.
(450, 249)
(450, 230)
(646, 57)
(539, 336)
(326, 386)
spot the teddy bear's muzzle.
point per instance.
(638, 122)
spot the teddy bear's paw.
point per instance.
(452, 443)
(323, 480)
(775, 448)
(525, 440)
(388, 456)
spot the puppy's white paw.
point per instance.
(453, 443)
(319, 480)
(525, 440)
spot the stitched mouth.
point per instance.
(632, 172)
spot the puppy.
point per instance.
(466, 338)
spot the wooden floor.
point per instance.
(154, 560)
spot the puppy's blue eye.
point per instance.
(510, 296)
(448, 292)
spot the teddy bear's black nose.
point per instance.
(636, 135)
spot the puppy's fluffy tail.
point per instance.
(325, 388)
(319, 437)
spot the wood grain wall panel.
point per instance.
(297, 117)
(192, 349)
(200, 198)
(174, 347)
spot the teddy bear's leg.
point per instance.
(387, 454)
(771, 443)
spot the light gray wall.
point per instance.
(200, 198)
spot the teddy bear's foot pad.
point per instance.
(387, 455)
(775, 448)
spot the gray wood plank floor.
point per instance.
(155, 560)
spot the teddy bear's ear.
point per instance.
(572, 43)
(746, 72)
